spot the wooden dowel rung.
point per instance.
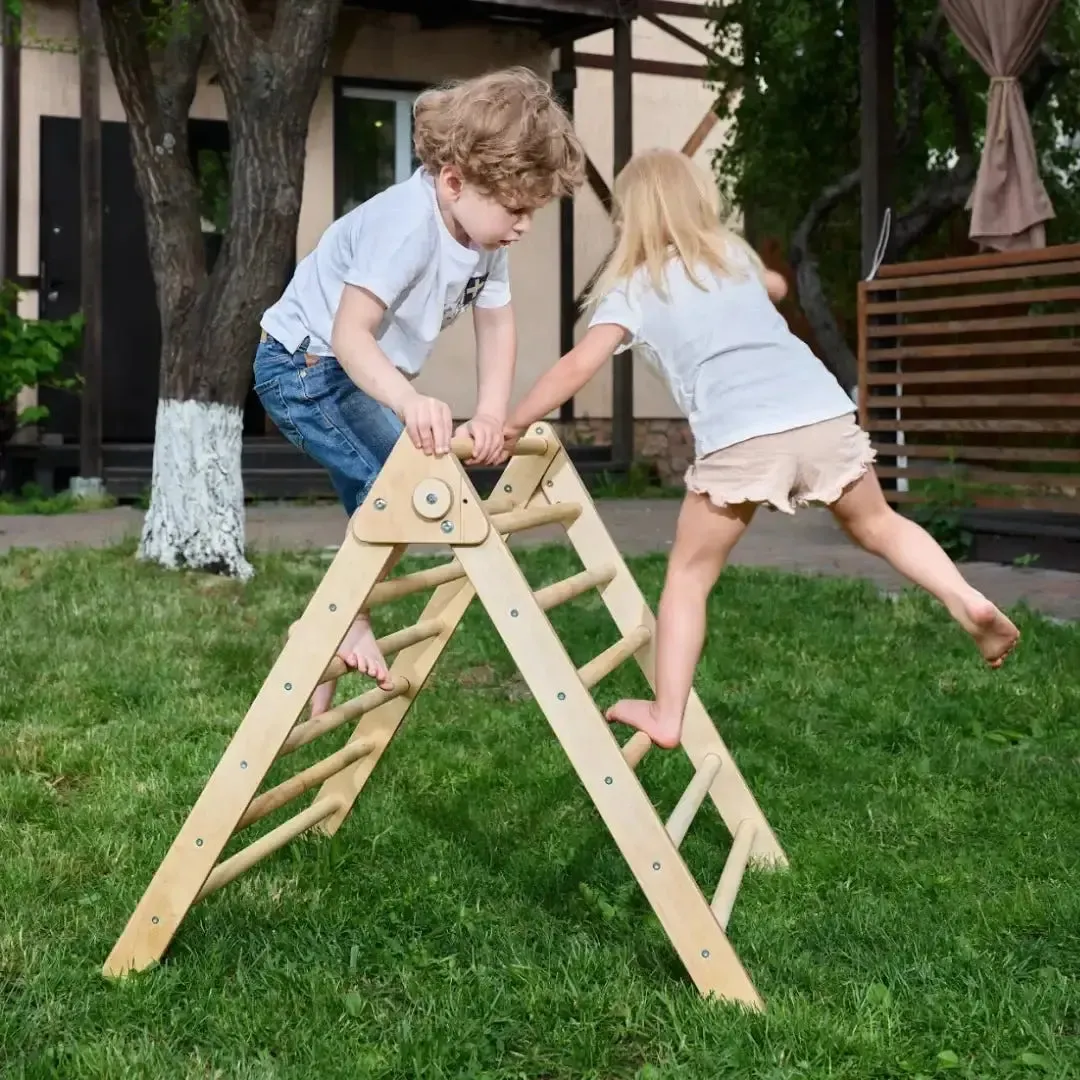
(730, 880)
(277, 838)
(690, 802)
(295, 786)
(603, 665)
(499, 504)
(309, 730)
(416, 582)
(531, 445)
(518, 520)
(390, 644)
(560, 592)
(636, 747)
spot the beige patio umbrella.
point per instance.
(1008, 203)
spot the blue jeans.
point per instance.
(320, 410)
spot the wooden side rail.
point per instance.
(969, 379)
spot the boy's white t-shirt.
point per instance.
(397, 246)
(726, 354)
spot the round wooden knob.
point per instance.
(432, 499)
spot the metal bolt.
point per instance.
(539, 430)
(513, 613)
(608, 780)
(380, 504)
(561, 696)
(656, 866)
(551, 483)
(447, 526)
(288, 686)
(154, 919)
(243, 764)
(198, 843)
(705, 954)
(333, 607)
(432, 498)
(508, 487)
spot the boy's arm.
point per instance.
(427, 420)
(496, 356)
(567, 377)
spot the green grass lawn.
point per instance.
(473, 918)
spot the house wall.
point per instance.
(392, 47)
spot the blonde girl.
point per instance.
(771, 425)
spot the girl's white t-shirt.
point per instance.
(397, 246)
(726, 354)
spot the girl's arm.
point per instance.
(562, 381)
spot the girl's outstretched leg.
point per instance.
(869, 520)
(704, 538)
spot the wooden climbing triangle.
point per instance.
(418, 499)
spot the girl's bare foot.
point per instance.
(993, 631)
(360, 651)
(664, 731)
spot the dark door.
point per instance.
(131, 329)
(131, 333)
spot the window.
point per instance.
(373, 147)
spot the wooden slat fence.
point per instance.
(973, 364)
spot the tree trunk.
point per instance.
(210, 321)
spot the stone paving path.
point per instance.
(809, 543)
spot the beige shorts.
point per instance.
(812, 464)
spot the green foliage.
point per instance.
(32, 352)
(797, 120)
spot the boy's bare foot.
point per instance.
(664, 731)
(360, 651)
(993, 631)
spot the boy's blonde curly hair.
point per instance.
(505, 132)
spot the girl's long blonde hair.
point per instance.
(666, 207)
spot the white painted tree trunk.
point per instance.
(196, 515)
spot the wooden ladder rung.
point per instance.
(635, 748)
(560, 592)
(416, 582)
(287, 790)
(309, 730)
(277, 838)
(728, 888)
(690, 802)
(603, 665)
(518, 520)
(527, 446)
(390, 644)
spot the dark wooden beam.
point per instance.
(622, 376)
(877, 20)
(676, 8)
(645, 67)
(682, 36)
(565, 83)
(90, 428)
(12, 56)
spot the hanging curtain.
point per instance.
(1008, 203)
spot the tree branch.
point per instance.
(836, 355)
(917, 82)
(235, 44)
(937, 58)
